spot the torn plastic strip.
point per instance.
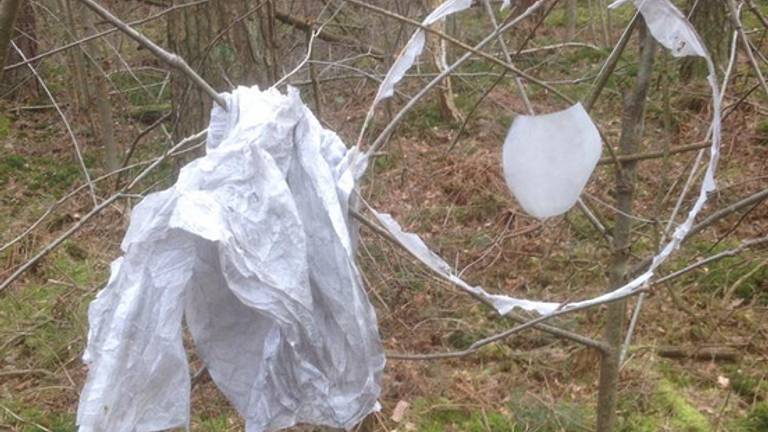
(670, 28)
(414, 48)
(410, 52)
(419, 250)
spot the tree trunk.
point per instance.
(8, 11)
(15, 14)
(571, 16)
(710, 18)
(75, 57)
(629, 143)
(221, 40)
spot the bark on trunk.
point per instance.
(16, 15)
(221, 40)
(711, 21)
(571, 16)
(629, 143)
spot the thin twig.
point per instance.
(734, 15)
(508, 57)
(168, 57)
(310, 45)
(470, 49)
(96, 210)
(746, 244)
(565, 334)
(23, 420)
(75, 191)
(654, 154)
(505, 334)
(389, 128)
(101, 34)
(78, 153)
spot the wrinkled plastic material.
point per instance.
(549, 158)
(252, 246)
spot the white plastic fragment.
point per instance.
(416, 247)
(549, 158)
(414, 47)
(253, 247)
(668, 26)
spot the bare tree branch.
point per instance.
(168, 57)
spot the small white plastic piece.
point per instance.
(414, 47)
(549, 158)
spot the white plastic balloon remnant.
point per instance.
(549, 158)
(253, 247)
(670, 27)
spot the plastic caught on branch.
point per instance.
(668, 26)
(416, 247)
(671, 29)
(252, 246)
(407, 57)
(415, 46)
(549, 158)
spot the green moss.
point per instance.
(461, 339)
(448, 418)
(427, 116)
(55, 421)
(151, 93)
(5, 126)
(61, 177)
(683, 416)
(55, 311)
(757, 419)
(761, 130)
(665, 408)
(641, 423)
(719, 276)
(386, 162)
(11, 166)
(673, 374)
(747, 386)
(521, 415)
(213, 424)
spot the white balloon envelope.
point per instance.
(549, 158)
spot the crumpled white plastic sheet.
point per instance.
(549, 158)
(252, 246)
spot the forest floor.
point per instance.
(455, 197)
